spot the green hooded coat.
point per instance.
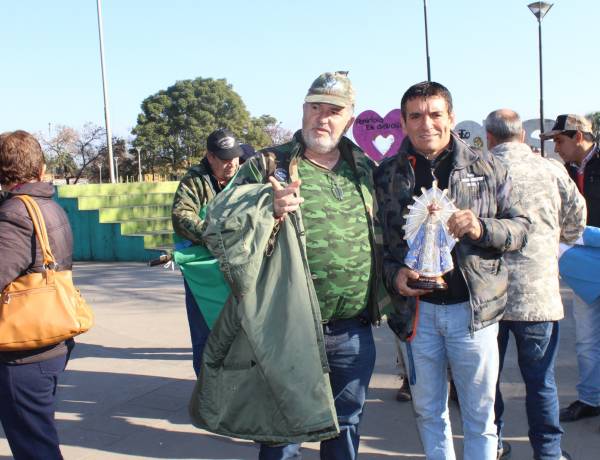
(264, 373)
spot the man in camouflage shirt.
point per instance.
(557, 212)
(325, 177)
(458, 325)
(197, 188)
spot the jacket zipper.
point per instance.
(314, 301)
(472, 323)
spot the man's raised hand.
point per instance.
(286, 199)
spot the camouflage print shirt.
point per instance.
(195, 190)
(557, 212)
(337, 238)
(282, 163)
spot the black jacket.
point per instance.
(591, 186)
(477, 182)
(20, 250)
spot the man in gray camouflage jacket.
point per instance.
(557, 212)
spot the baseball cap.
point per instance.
(332, 88)
(223, 144)
(568, 122)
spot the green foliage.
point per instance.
(172, 128)
(125, 162)
(61, 164)
(275, 132)
(595, 117)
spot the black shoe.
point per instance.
(578, 410)
(404, 393)
(504, 452)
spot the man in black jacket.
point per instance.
(28, 379)
(458, 325)
(575, 143)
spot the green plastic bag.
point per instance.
(203, 276)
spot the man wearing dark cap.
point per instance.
(335, 205)
(575, 143)
(198, 187)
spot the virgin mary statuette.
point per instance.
(429, 240)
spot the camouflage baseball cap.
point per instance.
(332, 88)
(568, 122)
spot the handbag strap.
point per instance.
(39, 225)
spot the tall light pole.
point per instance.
(105, 93)
(427, 41)
(139, 150)
(539, 10)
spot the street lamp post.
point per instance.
(427, 41)
(105, 94)
(539, 10)
(139, 150)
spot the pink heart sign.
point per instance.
(378, 137)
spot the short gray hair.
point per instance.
(505, 125)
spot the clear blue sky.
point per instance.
(485, 52)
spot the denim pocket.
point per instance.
(535, 338)
(53, 366)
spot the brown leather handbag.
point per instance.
(41, 309)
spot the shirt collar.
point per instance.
(587, 158)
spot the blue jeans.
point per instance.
(537, 346)
(199, 330)
(587, 346)
(443, 337)
(27, 406)
(351, 356)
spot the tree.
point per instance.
(595, 118)
(172, 128)
(59, 151)
(277, 134)
(123, 160)
(73, 153)
(88, 147)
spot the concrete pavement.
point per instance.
(125, 392)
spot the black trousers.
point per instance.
(27, 406)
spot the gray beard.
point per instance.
(320, 146)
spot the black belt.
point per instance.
(361, 318)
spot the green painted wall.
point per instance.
(119, 222)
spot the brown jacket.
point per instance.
(20, 252)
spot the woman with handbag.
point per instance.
(28, 377)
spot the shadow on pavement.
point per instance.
(98, 410)
(86, 350)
